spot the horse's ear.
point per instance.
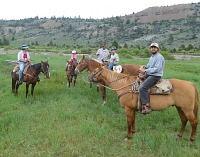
(42, 61)
(83, 56)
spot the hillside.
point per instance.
(171, 26)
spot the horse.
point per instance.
(70, 71)
(184, 96)
(30, 76)
(92, 64)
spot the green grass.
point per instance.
(62, 121)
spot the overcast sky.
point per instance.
(20, 9)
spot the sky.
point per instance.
(20, 9)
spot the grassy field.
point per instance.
(71, 122)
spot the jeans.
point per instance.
(21, 69)
(110, 66)
(147, 84)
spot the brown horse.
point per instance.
(70, 71)
(92, 64)
(184, 97)
(30, 77)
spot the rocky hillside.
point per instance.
(171, 26)
(173, 12)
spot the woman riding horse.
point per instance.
(30, 76)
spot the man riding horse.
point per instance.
(154, 72)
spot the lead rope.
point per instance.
(106, 86)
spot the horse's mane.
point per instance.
(93, 59)
(119, 77)
(36, 66)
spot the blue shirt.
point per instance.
(156, 65)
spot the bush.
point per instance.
(167, 56)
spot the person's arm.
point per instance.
(20, 59)
(159, 65)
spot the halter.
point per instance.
(42, 68)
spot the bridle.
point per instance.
(96, 75)
(44, 71)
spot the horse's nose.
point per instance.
(76, 71)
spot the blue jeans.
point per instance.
(147, 84)
(21, 69)
(110, 66)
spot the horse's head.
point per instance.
(83, 64)
(71, 67)
(45, 68)
(94, 76)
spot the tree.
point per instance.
(128, 21)
(114, 43)
(5, 42)
(182, 47)
(126, 45)
(190, 47)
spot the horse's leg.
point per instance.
(133, 124)
(74, 80)
(193, 123)
(183, 121)
(13, 84)
(130, 122)
(16, 87)
(103, 93)
(68, 79)
(27, 86)
(32, 88)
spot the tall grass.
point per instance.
(62, 121)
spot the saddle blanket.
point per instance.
(117, 68)
(163, 86)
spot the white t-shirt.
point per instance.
(103, 54)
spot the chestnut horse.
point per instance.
(92, 64)
(184, 97)
(70, 71)
(30, 77)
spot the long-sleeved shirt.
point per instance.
(102, 54)
(23, 56)
(156, 65)
(114, 58)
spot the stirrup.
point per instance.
(146, 111)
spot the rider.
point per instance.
(102, 53)
(154, 71)
(114, 58)
(23, 58)
(73, 57)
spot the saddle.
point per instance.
(163, 86)
(16, 70)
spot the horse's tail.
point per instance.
(196, 106)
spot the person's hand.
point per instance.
(142, 69)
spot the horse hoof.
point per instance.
(104, 102)
(178, 137)
(127, 138)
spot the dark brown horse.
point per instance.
(92, 64)
(184, 97)
(30, 77)
(70, 71)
